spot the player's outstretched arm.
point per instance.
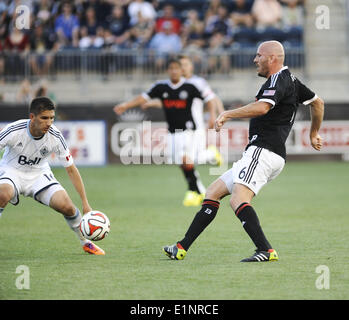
(153, 103)
(251, 110)
(211, 106)
(219, 105)
(75, 177)
(122, 107)
(317, 114)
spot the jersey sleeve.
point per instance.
(305, 95)
(272, 91)
(153, 92)
(62, 150)
(207, 93)
(204, 88)
(8, 134)
(4, 136)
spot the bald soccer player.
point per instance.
(272, 116)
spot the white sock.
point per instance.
(1, 210)
(74, 222)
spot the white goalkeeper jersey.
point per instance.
(28, 154)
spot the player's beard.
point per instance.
(262, 74)
(262, 71)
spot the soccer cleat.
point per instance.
(175, 252)
(262, 256)
(216, 154)
(91, 248)
(192, 199)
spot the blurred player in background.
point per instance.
(24, 168)
(201, 84)
(185, 124)
(272, 117)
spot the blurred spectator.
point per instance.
(241, 15)
(24, 94)
(43, 91)
(102, 8)
(267, 13)
(88, 41)
(142, 32)
(168, 15)
(67, 27)
(43, 47)
(219, 23)
(292, 13)
(146, 8)
(218, 58)
(90, 22)
(211, 9)
(292, 22)
(118, 25)
(164, 44)
(193, 38)
(193, 30)
(2, 63)
(16, 41)
(4, 22)
(42, 11)
(16, 48)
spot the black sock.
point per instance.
(250, 222)
(202, 219)
(193, 179)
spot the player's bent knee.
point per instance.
(6, 194)
(217, 190)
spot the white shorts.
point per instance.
(189, 143)
(257, 167)
(40, 186)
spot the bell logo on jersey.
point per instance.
(23, 160)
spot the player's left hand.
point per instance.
(86, 208)
(316, 141)
(120, 109)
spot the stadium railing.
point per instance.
(129, 64)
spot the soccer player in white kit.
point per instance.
(24, 168)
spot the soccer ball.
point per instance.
(94, 225)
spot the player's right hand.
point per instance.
(220, 122)
(120, 109)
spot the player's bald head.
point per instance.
(273, 48)
(269, 58)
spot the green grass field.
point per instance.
(304, 213)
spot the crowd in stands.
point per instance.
(172, 26)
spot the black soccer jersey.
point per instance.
(177, 100)
(284, 92)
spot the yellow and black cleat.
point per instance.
(175, 252)
(263, 256)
